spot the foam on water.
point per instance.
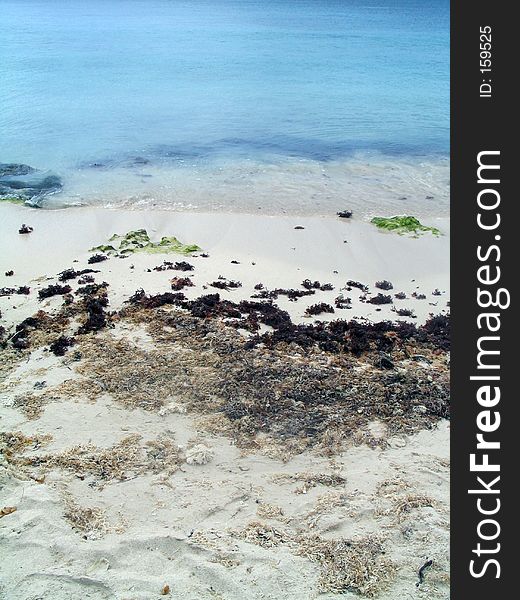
(364, 183)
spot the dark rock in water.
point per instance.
(14, 169)
(139, 160)
(27, 183)
(345, 214)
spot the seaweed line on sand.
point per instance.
(358, 566)
(296, 386)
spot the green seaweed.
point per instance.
(139, 241)
(12, 199)
(403, 224)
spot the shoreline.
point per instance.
(364, 182)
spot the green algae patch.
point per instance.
(139, 241)
(403, 224)
(12, 199)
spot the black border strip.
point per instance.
(479, 124)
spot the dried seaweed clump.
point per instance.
(264, 535)
(438, 329)
(316, 285)
(356, 284)
(225, 284)
(97, 258)
(133, 377)
(358, 566)
(405, 504)
(296, 399)
(14, 443)
(292, 294)
(380, 299)
(405, 312)
(177, 266)
(23, 290)
(95, 300)
(69, 274)
(179, 283)
(31, 405)
(54, 290)
(318, 309)
(140, 298)
(89, 521)
(61, 345)
(343, 302)
(355, 337)
(118, 462)
(310, 480)
(38, 330)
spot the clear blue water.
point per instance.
(230, 103)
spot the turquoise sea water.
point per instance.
(295, 105)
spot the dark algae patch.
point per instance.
(177, 266)
(61, 345)
(54, 290)
(69, 274)
(295, 386)
(247, 371)
(384, 285)
(97, 258)
(380, 299)
(318, 309)
(225, 284)
(179, 283)
(21, 290)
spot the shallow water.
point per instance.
(306, 106)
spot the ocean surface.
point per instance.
(297, 106)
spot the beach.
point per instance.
(194, 449)
(224, 300)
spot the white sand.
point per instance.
(283, 256)
(178, 530)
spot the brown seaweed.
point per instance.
(97, 258)
(54, 290)
(318, 309)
